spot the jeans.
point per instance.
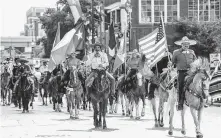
(109, 76)
(181, 76)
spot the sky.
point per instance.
(13, 14)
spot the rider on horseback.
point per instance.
(24, 70)
(43, 70)
(183, 58)
(99, 60)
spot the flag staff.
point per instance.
(167, 50)
(92, 7)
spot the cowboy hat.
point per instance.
(97, 44)
(22, 60)
(185, 39)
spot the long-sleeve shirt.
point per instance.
(95, 60)
(183, 59)
(133, 63)
(43, 69)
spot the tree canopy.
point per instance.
(207, 35)
(63, 15)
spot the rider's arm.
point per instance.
(106, 63)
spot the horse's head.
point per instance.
(74, 80)
(100, 81)
(201, 82)
(6, 69)
(169, 79)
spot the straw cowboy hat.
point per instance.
(185, 39)
(97, 44)
(22, 60)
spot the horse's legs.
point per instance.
(136, 101)
(27, 103)
(100, 113)
(153, 102)
(104, 113)
(59, 101)
(95, 114)
(23, 103)
(183, 131)
(172, 106)
(46, 97)
(196, 122)
(111, 100)
(121, 96)
(160, 112)
(77, 106)
(144, 103)
(127, 105)
(131, 107)
(116, 102)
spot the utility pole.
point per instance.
(92, 7)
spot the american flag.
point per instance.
(154, 45)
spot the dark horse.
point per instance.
(54, 88)
(43, 85)
(99, 93)
(25, 87)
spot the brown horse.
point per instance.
(99, 93)
(43, 88)
(5, 92)
(25, 89)
(74, 93)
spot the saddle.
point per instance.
(97, 73)
(189, 79)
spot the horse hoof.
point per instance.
(170, 133)
(183, 132)
(199, 136)
(127, 115)
(123, 114)
(23, 111)
(161, 125)
(27, 111)
(142, 114)
(104, 127)
(137, 118)
(156, 124)
(77, 117)
(131, 117)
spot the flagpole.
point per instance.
(167, 50)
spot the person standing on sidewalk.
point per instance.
(182, 58)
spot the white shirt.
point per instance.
(37, 75)
(94, 62)
(43, 68)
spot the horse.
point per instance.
(43, 85)
(195, 96)
(54, 88)
(99, 92)
(5, 92)
(36, 88)
(26, 89)
(166, 89)
(74, 93)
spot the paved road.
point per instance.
(43, 122)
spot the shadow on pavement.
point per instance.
(163, 128)
(135, 120)
(179, 136)
(92, 129)
(68, 119)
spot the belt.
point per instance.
(183, 70)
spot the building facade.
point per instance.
(33, 25)
(146, 14)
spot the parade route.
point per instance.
(43, 122)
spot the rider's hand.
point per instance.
(101, 66)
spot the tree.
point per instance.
(207, 35)
(51, 18)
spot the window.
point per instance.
(149, 10)
(145, 11)
(204, 10)
(172, 10)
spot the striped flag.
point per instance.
(154, 45)
(51, 63)
(75, 9)
(121, 53)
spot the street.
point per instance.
(43, 122)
